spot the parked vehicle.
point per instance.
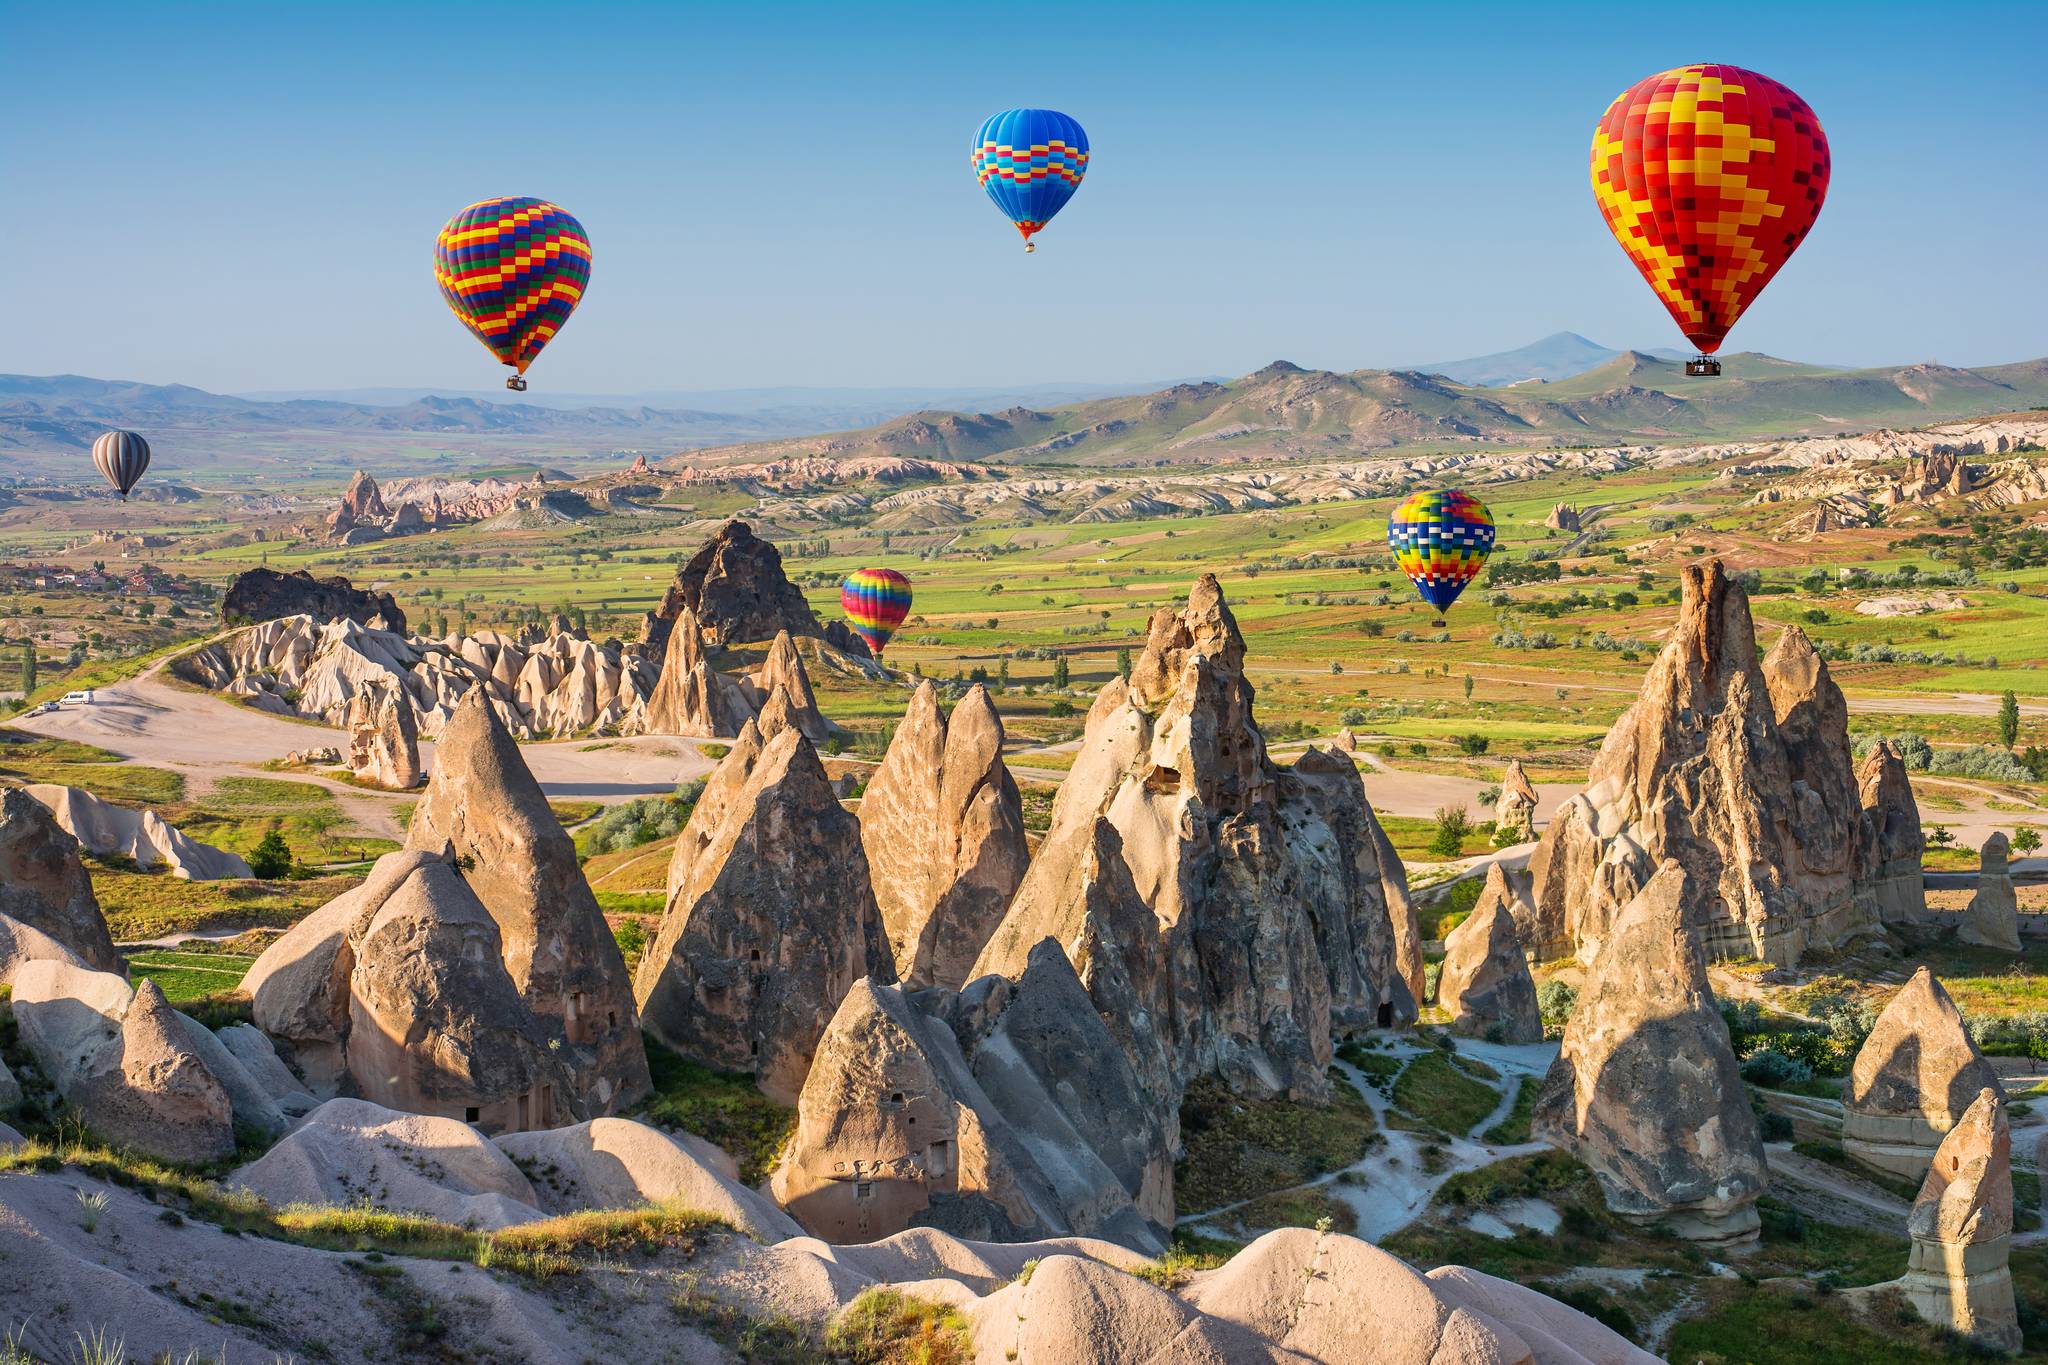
(79, 698)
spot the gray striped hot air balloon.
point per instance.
(121, 456)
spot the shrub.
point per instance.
(1555, 1001)
(1774, 1070)
(1452, 825)
(1353, 716)
(1060, 709)
(1473, 745)
(271, 859)
(884, 1327)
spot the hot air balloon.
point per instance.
(513, 270)
(1710, 177)
(1030, 161)
(122, 456)
(875, 602)
(1441, 541)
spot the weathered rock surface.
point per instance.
(10, 1100)
(1911, 1081)
(1564, 517)
(544, 680)
(736, 590)
(561, 955)
(262, 594)
(44, 886)
(769, 920)
(1646, 1090)
(21, 943)
(1259, 909)
(123, 1062)
(1893, 841)
(691, 698)
(383, 739)
(620, 1164)
(988, 1114)
(1737, 769)
(1485, 986)
(1992, 918)
(785, 692)
(355, 1152)
(105, 828)
(1514, 814)
(1959, 1276)
(943, 828)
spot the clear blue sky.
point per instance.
(246, 197)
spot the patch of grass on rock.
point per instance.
(1515, 1128)
(885, 1327)
(723, 1108)
(1236, 1148)
(1435, 1090)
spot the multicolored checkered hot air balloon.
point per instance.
(1441, 541)
(875, 602)
(1030, 162)
(1710, 177)
(513, 270)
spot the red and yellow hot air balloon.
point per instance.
(513, 270)
(1710, 177)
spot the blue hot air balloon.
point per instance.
(1030, 161)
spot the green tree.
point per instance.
(1123, 663)
(28, 667)
(2025, 839)
(1059, 672)
(1468, 687)
(1452, 825)
(271, 859)
(2008, 720)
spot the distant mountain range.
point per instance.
(1286, 412)
(1587, 394)
(1561, 355)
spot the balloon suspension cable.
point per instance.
(516, 383)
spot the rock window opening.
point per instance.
(754, 955)
(863, 1189)
(472, 1114)
(753, 1047)
(1386, 1014)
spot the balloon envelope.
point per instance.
(875, 602)
(1441, 540)
(513, 270)
(1030, 162)
(122, 456)
(1710, 177)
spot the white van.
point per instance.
(79, 698)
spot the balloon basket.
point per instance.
(517, 383)
(1703, 367)
(1030, 247)
(1440, 623)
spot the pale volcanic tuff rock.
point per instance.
(484, 804)
(1736, 768)
(384, 739)
(769, 922)
(1278, 911)
(23, 943)
(1003, 1112)
(123, 1061)
(785, 693)
(1959, 1276)
(1646, 1090)
(690, 697)
(1564, 517)
(1911, 1081)
(1992, 918)
(44, 886)
(1485, 986)
(1515, 812)
(943, 828)
(105, 828)
(1893, 841)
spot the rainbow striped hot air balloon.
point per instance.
(1441, 540)
(1030, 162)
(875, 602)
(513, 270)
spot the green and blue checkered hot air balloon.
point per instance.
(1441, 539)
(1030, 162)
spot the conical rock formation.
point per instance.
(1735, 768)
(1911, 1081)
(1485, 986)
(1893, 841)
(1278, 910)
(1646, 1090)
(521, 863)
(1959, 1276)
(943, 828)
(690, 697)
(770, 919)
(1514, 815)
(1992, 918)
(785, 690)
(45, 887)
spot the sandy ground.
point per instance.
(151, 722)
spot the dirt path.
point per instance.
(1835, 1196)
